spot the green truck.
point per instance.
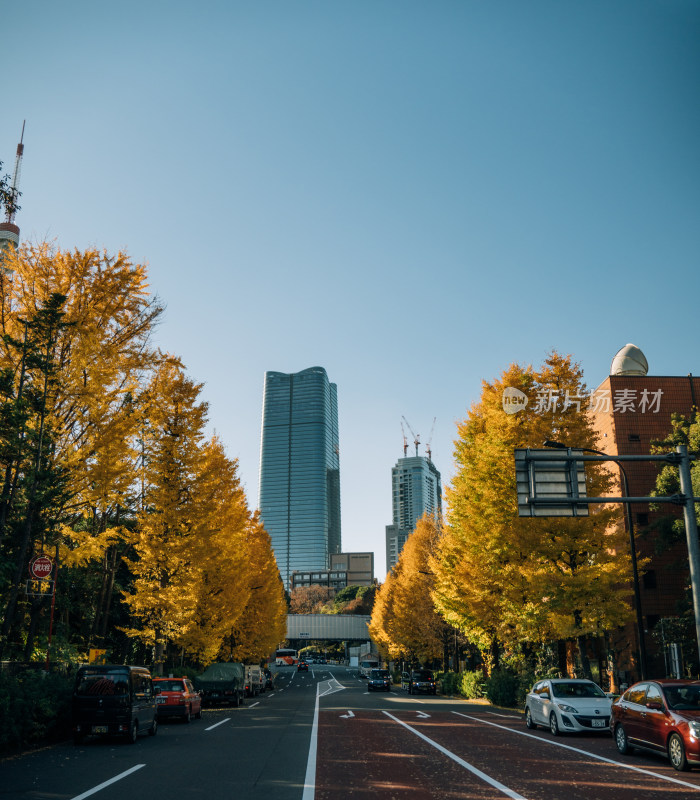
(222, 683)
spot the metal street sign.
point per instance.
(39, 587)
(40, 567)
(548, 485)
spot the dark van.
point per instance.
(114, 699)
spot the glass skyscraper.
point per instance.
(299, 469)
(416, 489)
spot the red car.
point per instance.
(662, 716)
(177, 698)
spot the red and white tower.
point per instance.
(9, 232)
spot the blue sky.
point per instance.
(412, 195)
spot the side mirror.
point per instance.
(655, 705)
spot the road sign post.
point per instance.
(40, 567)
(549, 485)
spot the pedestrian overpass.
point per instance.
(327, 627)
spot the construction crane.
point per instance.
(416, 436)
(430, 441)
(11, 208)
(405, 442)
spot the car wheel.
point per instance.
(676, 753)
(528, 720)
(198, 715)
(188, 715)
(153, 730)
(553, 724)
(622, 742)
(133, 732)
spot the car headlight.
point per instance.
(694, 728)
(568, 709)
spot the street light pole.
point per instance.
(691, 533)
(642, 651)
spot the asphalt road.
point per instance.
(321, 735)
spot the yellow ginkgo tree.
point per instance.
(502, 579)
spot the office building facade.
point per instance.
(631, 411)
(415, 490)
(299, 469)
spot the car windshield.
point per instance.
(575, 689)
(170, 686)
(379, 673)
(422, 675)
(683, 698)
(101, 682)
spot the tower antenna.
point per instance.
(12, 207)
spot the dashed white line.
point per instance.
(216, 724)
(108, 783)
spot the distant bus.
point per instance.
(368, 662)
(286, 657)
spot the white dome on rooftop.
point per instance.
(629, 361)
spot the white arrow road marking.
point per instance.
(348, 715)
(421, 715)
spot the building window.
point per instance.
(649, 579)
(634, 437)
(652, 621)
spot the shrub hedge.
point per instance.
(35, 707)
(503, 688)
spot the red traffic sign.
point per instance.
(40, 567)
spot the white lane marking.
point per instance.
(422, 715)
(108, 783)
(505, 716)
(310, 777)
(349, 715)
(254, 704)
(583, 752)
(333, 687)
(216, 725)
(484, 777)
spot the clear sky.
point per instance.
(412, 195)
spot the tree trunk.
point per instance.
(583, 655)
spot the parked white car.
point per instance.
(568, 706)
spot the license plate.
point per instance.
(161, 700)
(99, 729)
(598, 723)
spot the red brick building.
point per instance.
(631, 410)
